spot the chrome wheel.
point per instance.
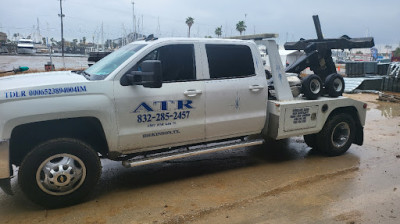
(315, 86)
(334, 85)
(61, 174)
(311, 87)
(337, 135)
(340, 134)
(337, 85)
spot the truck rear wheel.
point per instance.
(337, 135)
(334, 85)
(311, 87)
(59, 172)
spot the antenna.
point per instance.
(61, 15)
(158, 31)
(133, 21)
(38, 29)
(125, 38)
(138, 27)
(102, 37)
(245, 17)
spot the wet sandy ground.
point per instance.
(283, 182)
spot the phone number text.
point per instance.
(181, 115)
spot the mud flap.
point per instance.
(359, 137)
(5, 184)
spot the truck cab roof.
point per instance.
(192, 40)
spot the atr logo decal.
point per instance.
(236, 104)
(164, 106)
(163, 113)
(278, 68)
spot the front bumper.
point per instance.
(5, 172)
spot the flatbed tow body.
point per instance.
(302, 117)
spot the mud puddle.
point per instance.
(377, 109)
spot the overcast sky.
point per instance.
(291, 19)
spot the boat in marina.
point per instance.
(25, 46)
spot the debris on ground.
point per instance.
(390, 97)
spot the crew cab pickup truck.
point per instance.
(151, 101)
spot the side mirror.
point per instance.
(150, 75)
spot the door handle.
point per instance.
(256, 88)
(192, 92)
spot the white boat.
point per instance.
(25, 46)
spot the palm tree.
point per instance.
(240, 26)
(189, 22)
(218, 31)
(52, 42)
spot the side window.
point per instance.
(151, 56)
(229, 61)
(177, 61)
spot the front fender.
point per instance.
(15, 113)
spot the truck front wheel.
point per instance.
(337, 135)
(59, 172)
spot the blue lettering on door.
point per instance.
(165, 105)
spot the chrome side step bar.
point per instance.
(179, 155)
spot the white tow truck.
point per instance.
(152, 101)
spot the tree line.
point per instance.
(240, 27)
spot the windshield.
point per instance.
(112, 61)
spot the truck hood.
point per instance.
(34, 80)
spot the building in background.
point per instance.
(3, 37)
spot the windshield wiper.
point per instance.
(85, 74)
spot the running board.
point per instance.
(179, 155)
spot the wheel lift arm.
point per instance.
(319, 51)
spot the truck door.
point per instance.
(166, 116)
(236, 96)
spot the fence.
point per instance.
(356, 69)
(391, 82)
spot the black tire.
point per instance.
(311, 87)
(268, 74)
(311, 140)
(73, 170)
(337, 135)
(334, 85)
